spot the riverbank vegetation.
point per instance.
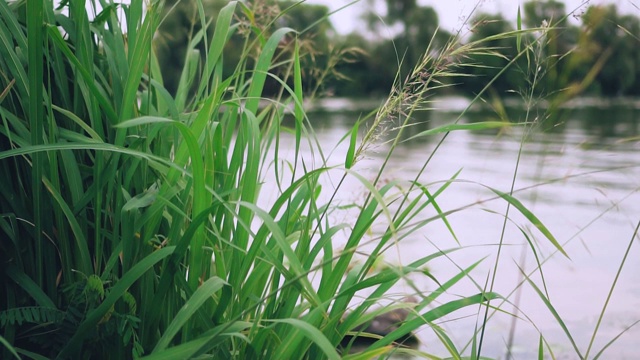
(151, 213)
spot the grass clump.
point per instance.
(132, 219)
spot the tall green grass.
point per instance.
(131, 220)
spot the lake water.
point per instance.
(581, 178)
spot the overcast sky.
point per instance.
(452, 13)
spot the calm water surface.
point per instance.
(581, 178)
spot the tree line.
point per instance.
(600, 56)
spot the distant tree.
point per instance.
(301, 16)
(362, 74)
(616, 37)
(483, 66)
(182, 21)
(538, 12)
(415, 29)
(421, 27)
(316, 37)
(420, 30)
(631, 26)
(400, 10)
(556, 41)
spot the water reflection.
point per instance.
(581, 178)
(616, 122)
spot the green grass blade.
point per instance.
(390, 274)
(173, 265)
(31, 355)
(519, 27)
(432, 315)
(6, 90)
(355, 316)
(10, 57)
(540, 349)
(297, 85)
(262, 68)
(83, 257)
(165, 99)
(120, 287)
(37, 124)
(606, 346)
(220, 36)
(138, 54)
(613, 286)
(94, 135)
(352, 147)
(555, 315)
(298, 97)
(446, 341)
(365, 219)
(289, 351)
(204, 292)
(29, 286)
(98, 92)
(208, 340)
(443, 216)
(145, 120)
(13, 27)
(448, 284)
(27, 150)
(280, 238)
(182, 351)
(200, 202)
(189, 73)
(532, 218)
(483, 125)
(9, 348)
(370, 354)
(245, 161)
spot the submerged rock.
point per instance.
(381, 326)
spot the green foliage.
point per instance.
(390, 57)
(551, 11)
(598, 57)
(178, 41)
(614, 35)
(130, 214)
(492, 57)
(32, 314)
(133, 216)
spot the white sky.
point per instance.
(452, 13)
